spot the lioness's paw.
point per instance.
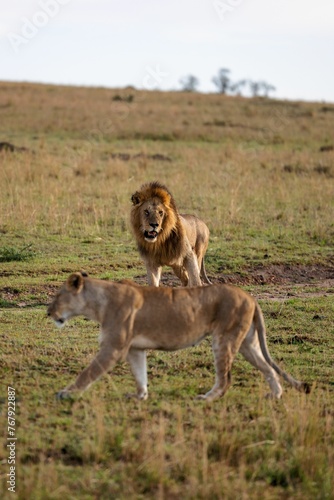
(142, 396)
(201, 397)
(273, 397)
(64, 394)
(209, 396)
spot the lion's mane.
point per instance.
(170, 244)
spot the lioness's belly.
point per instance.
(167, 342)
(173, 319)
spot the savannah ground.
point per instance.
(260, 172)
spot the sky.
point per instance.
(153, 44)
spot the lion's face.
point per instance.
(152, 214)
(69, 301)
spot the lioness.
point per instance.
(135, 318)
(166, 238)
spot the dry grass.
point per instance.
(103, 446)
(241, 173)
(253, 170)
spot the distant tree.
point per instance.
(222, 80)
(254, 87)
(189, 83)
(257, 88)
(237, 86)
(225, 85)
(267, 87)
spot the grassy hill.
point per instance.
(260, 172)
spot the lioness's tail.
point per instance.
(203, 273)
(261, 331)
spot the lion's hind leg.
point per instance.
(182, 274)
(137, 361)
(251, 350)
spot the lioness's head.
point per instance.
(153, 212)
(69, 301)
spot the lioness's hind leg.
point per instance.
(137, 361)
(251, 350)
(223, 363)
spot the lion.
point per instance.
(134, 319)
(166, 238)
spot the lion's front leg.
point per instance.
(191, 266)
(105, 359)
(137, 361)
(153, 275)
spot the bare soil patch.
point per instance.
(276, 281)
(273, 282)
(281, 274)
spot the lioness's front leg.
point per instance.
(105, 359)
(137, 361)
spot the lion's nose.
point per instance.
(154, 225)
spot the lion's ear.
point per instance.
(75, 282)
(135, 198)
(166, 199)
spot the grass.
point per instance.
(9, 254)
(104, 446)
(253, 170)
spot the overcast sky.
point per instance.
(154, 43)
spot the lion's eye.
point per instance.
(161, 213)
(146, 212)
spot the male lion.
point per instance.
(167, 238)
(135, 318)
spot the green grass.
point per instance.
(9, 254)
(102, 445)
(252, 169)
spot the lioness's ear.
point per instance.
(75, 282)
(135, 198)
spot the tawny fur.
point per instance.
(135, 318)
(166, 238)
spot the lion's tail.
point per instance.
(203, 273)
(261, 331)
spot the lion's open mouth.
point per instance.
(150, 235)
